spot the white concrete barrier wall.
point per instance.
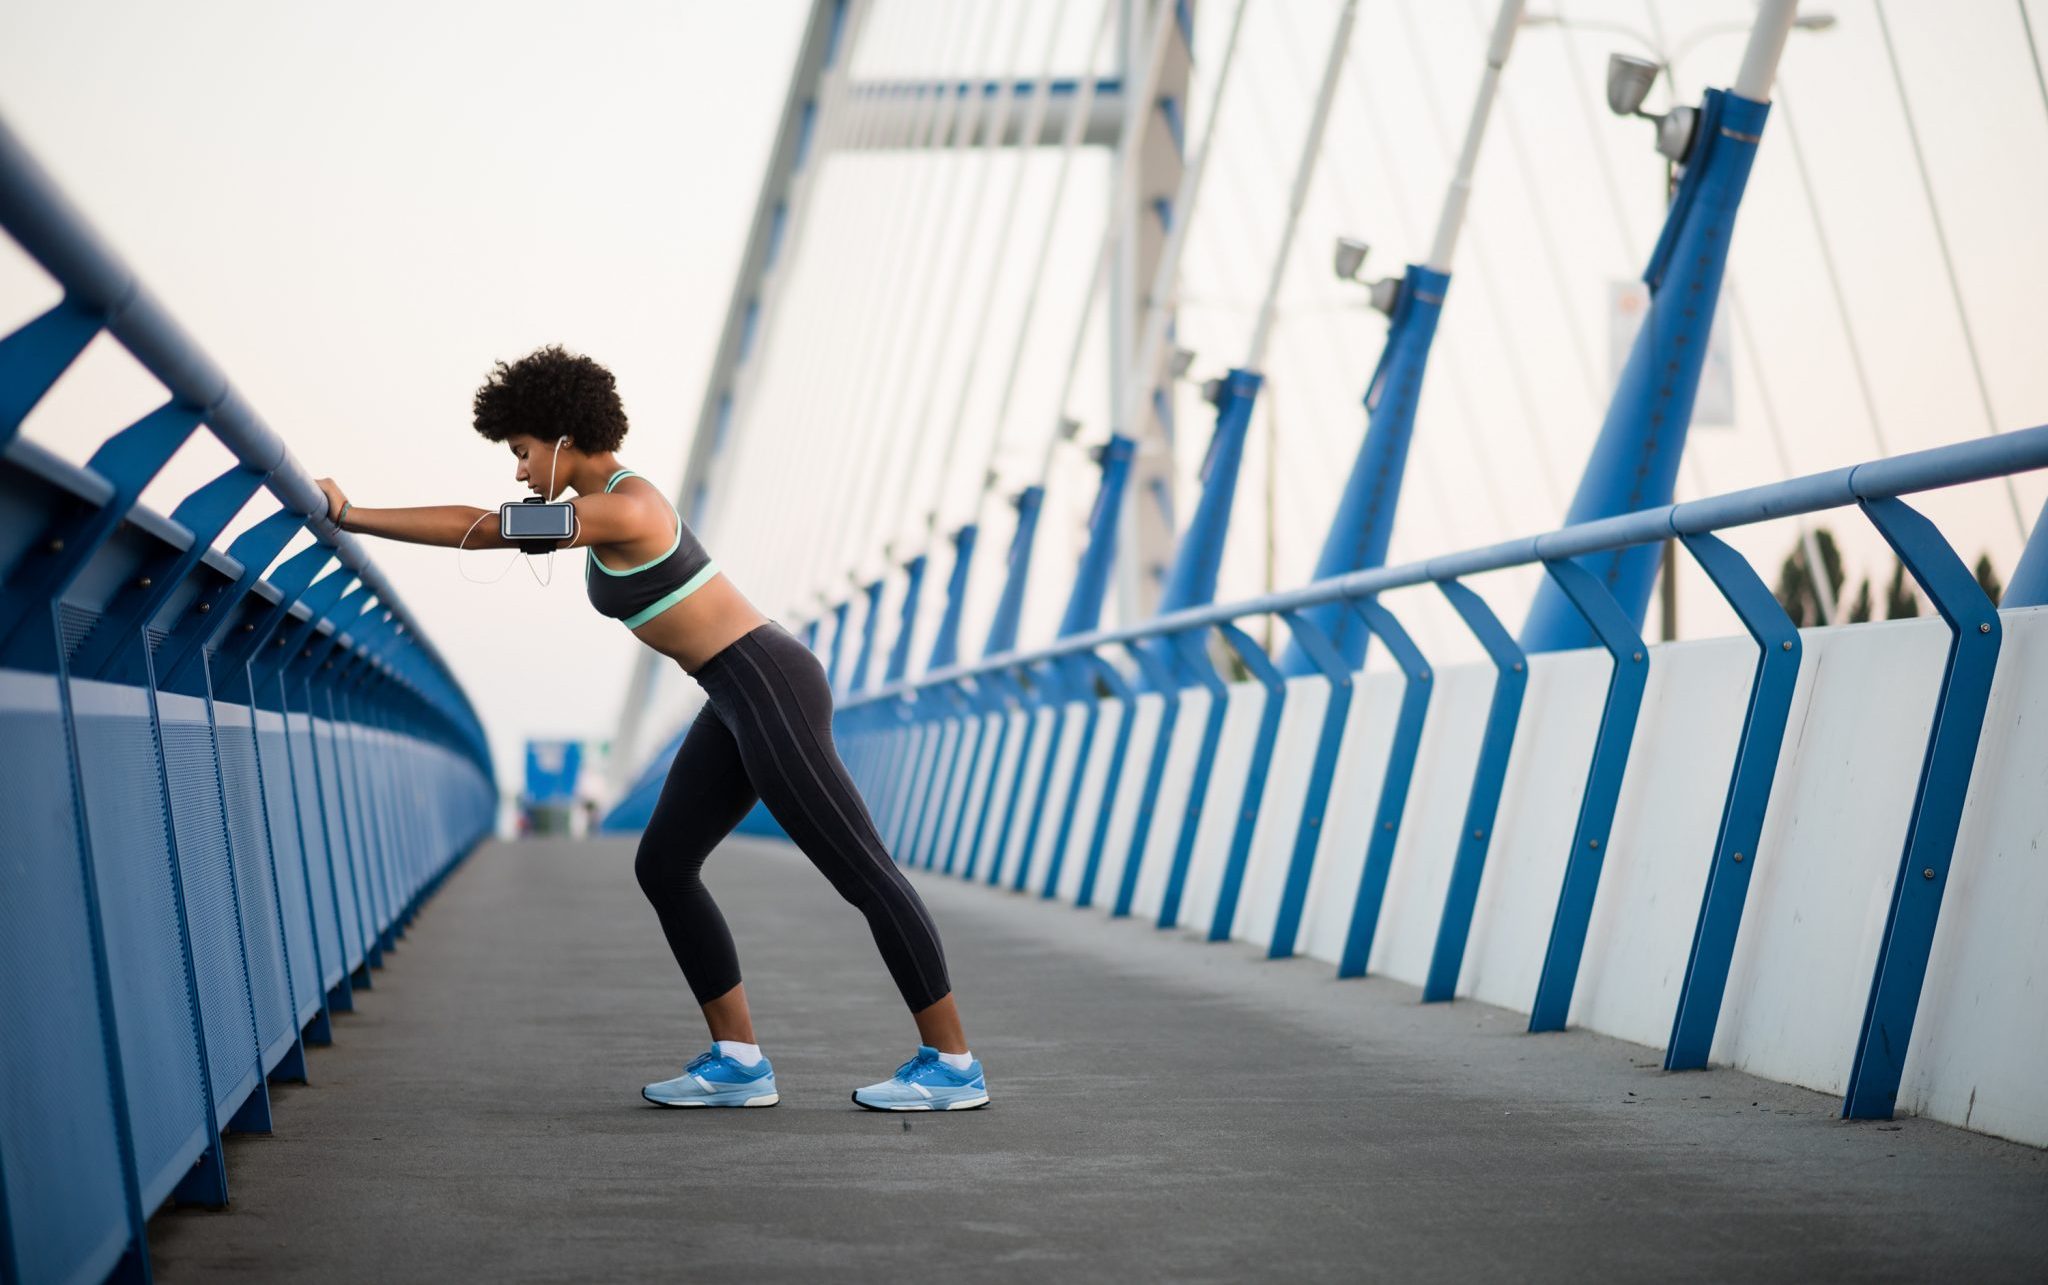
(1831, 846)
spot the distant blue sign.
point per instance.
(551, 770)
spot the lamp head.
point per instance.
(1629, 79)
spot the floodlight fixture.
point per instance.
(1629, 79)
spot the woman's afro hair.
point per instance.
(550, 393)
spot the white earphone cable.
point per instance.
(543, 582)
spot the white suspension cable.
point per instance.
(992, 142)
(1069, 145)
(1948, 262)
(1304, 173)
(1511, 349)
(761, 426)
(887, 405)
(875, 336)
(817, 373)
(1028, 139)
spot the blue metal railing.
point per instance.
(874, 724)
(227, 785)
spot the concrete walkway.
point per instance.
(1163, 1110)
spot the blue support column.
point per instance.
(2029, 584)
(1902, 954)
(869, 625)
(1192, 580)
(946, 643)
(1617, 633)
(1268, 676)
(1635, 460)
(1365, 513)
(913, 589)
(1482, 801)
(1749, 792)
(1387, 814)
(838, 643)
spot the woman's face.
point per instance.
(535, 461)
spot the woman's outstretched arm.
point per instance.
(449, 525)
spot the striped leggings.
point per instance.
(766, 733)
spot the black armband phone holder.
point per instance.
(536, 526)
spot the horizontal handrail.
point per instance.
(2017, 451)
(54, 233)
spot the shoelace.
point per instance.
(706, 1058)
(916, 1067)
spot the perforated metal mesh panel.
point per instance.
(124, 807)
(57, 1110)
(342, 843)
(210, 898)
(340, 943)
(295, 901)
(73, 624)
(249, 836)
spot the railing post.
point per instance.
(1393, 800)
(1749, 792)
(1160, 678)
(1336, 670)
(1974, 638)
(1189, 649)
(1482, 801)
(1617, 632)
(1121, 691)
(1268, 676)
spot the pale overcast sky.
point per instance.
(356, 210)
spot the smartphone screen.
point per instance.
(520, 521)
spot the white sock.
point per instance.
(958, 1061)
(744, 1054)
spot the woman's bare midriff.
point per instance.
(703, 624)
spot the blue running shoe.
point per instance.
(714, 1080)
(926, 1084)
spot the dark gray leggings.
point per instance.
(766, 732)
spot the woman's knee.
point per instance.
(660, 869)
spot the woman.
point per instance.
(766, 731)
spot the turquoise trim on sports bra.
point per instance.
(591, 558)
(663, 603)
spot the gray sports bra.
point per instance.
(639, 594)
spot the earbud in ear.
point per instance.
(563, 440)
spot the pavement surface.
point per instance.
(1163, 1109)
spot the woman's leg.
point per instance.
(781, 707)
(705, 795)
